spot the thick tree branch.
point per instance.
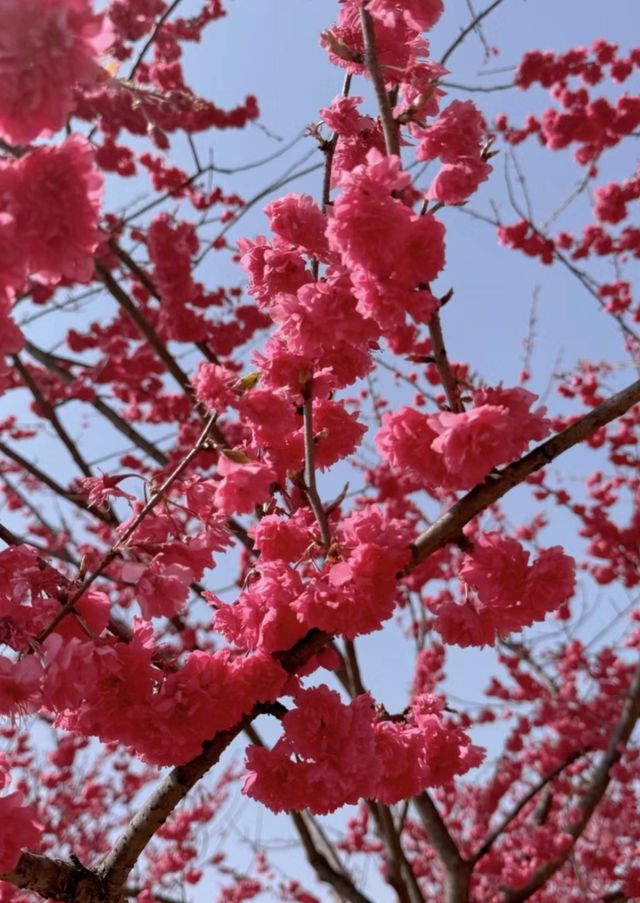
(457, 872)
(448, 527)
(399, 874)
(55, 879)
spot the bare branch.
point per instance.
(457, 871)
(469, 28)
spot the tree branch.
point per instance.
(52, 364)
(457, 871)
(343, 886)
(389, 125)
(448, 527)
(145, 328)
(55, 879)
(469, 28)
(441, 360)
(73, 497)
(309, 474)
(47, 410)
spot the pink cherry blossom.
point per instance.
(61, 178)
(47, 47)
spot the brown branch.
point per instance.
(143, 277)
(309, 474)
(73, 497)
(148, 332)
(149, 42)
(342, 885)
(594, 793)
(399, 874)
(52, 363)
(329, 147)
(441, 360)
(457, 871)
(389, 125)
(353, 669)
(448, 527)
(116, 866)
(9, 537)
(47, 410)
(35, 511)
(55, 879)
(144, 328)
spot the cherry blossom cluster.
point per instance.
(341, 287)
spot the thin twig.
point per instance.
(47, 410)
(150, 40)
(73, 497)
(113, 552)
(139, 441)
(470, 27)
(441, 360)
(309, 476)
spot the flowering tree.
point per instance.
(125, 676)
